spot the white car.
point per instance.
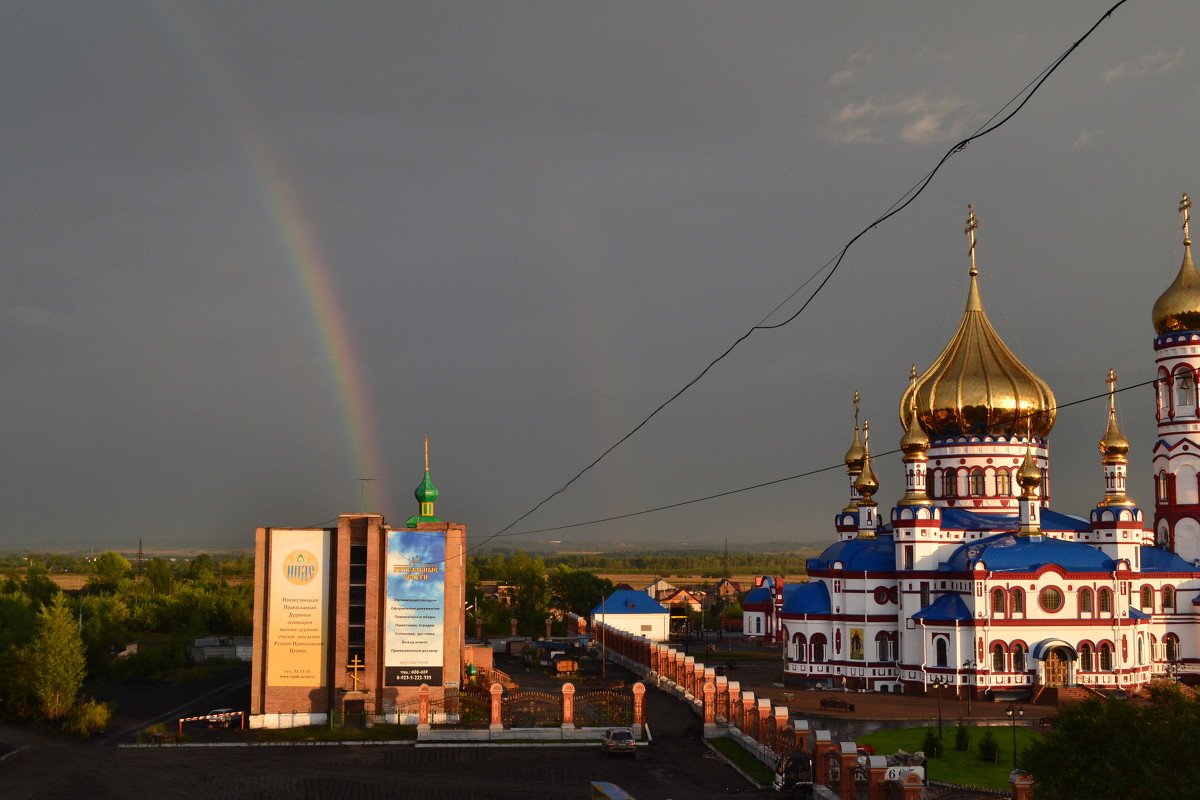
(220, 717)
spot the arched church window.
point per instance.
(1104, 596)
(818, 647)
(1018, 601)
(1085, 657)
(1168, 598)
(758, 624)
(1148, 598)
(997, 658)
(1141, 654)
(1106, 654)
(1003, 483)
(949, 483)
(997, 601)
(1171, 645)
(1183, 388)
(1163, 395)
(1018, 657)
(1085, 600)
(1160, 486)
(801, 647)
(881, 646)
(942, 649)
(976, 480)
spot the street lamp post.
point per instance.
(970, 665)
(939, 682)
(1013, 711)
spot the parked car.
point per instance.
(220, 717)
(618, 742)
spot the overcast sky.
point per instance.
(255, 251)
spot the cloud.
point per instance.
(1084, 138)
(920, 120)
(1152, 63)
(855, 61)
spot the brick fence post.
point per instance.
(780, 714)
(878, 767)
(568, 706)
(912, 787)
(800, 734)
(1022, 785)
(710, 705)
(689, 675)
(639, 708)
(698, 679)
(748, 714)
(423, 707)
(848, 756)
(824, 744)
(497, 692)
(762, 710)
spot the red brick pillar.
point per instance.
(677, 668)
(824, 745)
(423, 706)
(710, 704)
(497, 692)
(568, 693)
(722, 697)
(912, 787)
(689, 675)
(639, 708)
(513, 623)
(748, 714)
(1022, 785)
(697, 680)
(848, 755)
(762, 710)
(878, 766)
(549, 623)
(780, 715)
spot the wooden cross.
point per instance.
(355, 667)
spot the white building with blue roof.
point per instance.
(635, 613)
(973, 582)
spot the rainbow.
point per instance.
(296, 232)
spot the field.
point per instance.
(963, 768)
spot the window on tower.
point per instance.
(976, 480)
(949, 483)
(1003, 483)
(1183, 388)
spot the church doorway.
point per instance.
(1058, 663)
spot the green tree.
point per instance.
(201, 569)
(1104, 750)
(107, 570)
(52, 666)
(527, 576)
(157, 574)
(576, 591)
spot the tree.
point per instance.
(108, 569)
(576, 591)
(527, 576)
(202, 568)
(1104, 750)
(52, 666)
(157, 573)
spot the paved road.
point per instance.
(677, 765)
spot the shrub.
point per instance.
(962, 738)
(87, 718)
(932, 744)
(989, 748)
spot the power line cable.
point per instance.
(898, 206)
(774, 482)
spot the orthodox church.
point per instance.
(973, 582)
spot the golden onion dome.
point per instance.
(856, 453)
(914, 441)
(1178, 308)
(867, 484)
(1114, 446)
(1029, 476)
(977, 387)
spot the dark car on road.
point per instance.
(618, 742)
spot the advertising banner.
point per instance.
(297, 608)
(416, 608)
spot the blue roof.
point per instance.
(1136, 613)
(1155, 559)
(946, 607)
(871, 555)
(1005, 552)
(762, 594)
(629, 601)
(809, 598)
(960, 519)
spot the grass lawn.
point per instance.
(954, 766)
(746, 761)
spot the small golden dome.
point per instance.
(867, 484)
(1114, 446)
(1178, 308)
(914, 441)
(856, 453)
(977, 387)
(1029, 476)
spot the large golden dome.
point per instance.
(977, 387)
(1178, 308)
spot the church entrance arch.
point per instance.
(1057, 658)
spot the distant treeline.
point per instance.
(705, 563)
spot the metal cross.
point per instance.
(972, 224)
(355, 667)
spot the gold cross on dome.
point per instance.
(972, 224)
(1112, 388)
(1184, 205)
